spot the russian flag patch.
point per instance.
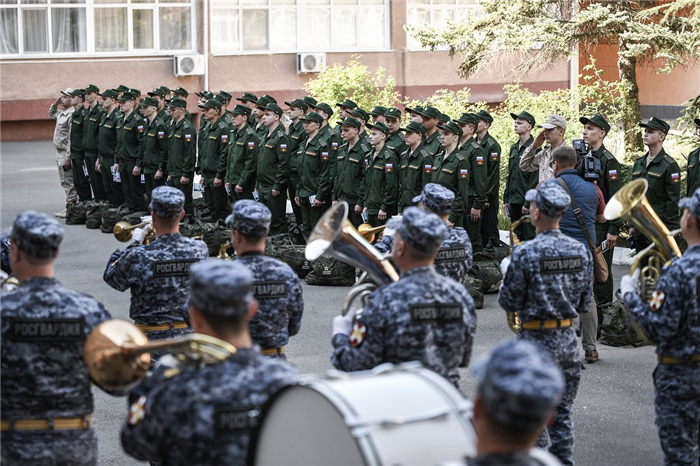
(612, 174)
(188, 137)
(389, 167)
(479, 160)
(324, 156)
(676, 177)
(224, 137)
(334, 145)
(283, 147)
(251, 144)
(463, 173)
(428, 168)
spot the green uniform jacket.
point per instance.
(518, 182)
(261, 130)
(274, 160)
(76, 132)
(243, 158)
(432, 144)
(693, 172)
(252, 121)
(493, 155)
(416, 172)
(452, 172)
(131, 132)
(314, 170)
(165, 117)
(107, 146)
(664, 177)
(396, 142)
(203, 124)
(297, 136)
(380, 187)
(476, 158)
(91, 131)
(155, 154)
(182, 153)
(214, 153)
(610, 182)
(333, 141)
(350, 171)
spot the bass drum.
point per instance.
(391, 415)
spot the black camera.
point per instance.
(588, 167)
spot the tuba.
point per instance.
(513, 320)
(335, 235)
(117, 353)
(124, 231)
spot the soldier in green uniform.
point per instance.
(478, 177)
(395, 142)
(610, 181)
(213, 158)
(350, 169)
(182, 152)
(331, 137)
(363, 117)
(203, 97)
(224, 114)
(315, 182)
(273, 169)
(663, 175)
(380, 187)
(416, 165)
(345, 107)
(519, 182)
(489, 222)
(415, 113)
(131, 132)
(431, 120)
(451, 170)
(242, 157)
(259, 111)
(249, 100)
(107, 147)
(159, 94)
(694, 165)
(296, 110)
(182, 93)
(81, 181)
(155, 153)
(377, 114)
(91, 135)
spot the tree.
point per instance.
(546, 30)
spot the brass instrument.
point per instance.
(223, 250)
(124, 231)
(335, 235)
(117, 353)
(367, 232)
(512, 317)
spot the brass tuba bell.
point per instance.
(124, 231)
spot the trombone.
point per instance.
(124, 231)
(367, 232)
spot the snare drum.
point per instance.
(390, 415)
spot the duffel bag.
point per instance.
(488, 271)
(76, 213)
(134, 218)
(215, 237)
(497, 249)
(280, 247)
(111, 216)
(93, 217)
(616, 328)
(475, 288)
(329, 271)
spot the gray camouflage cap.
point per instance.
(250, 218)
(221, 288)
(436, 198)
(550, 198)
(167, 202)
(36, 234)
(519, 384)
(422, 230)
(692, 203)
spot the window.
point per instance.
(436, 13)
(39, 28)
(240, 26)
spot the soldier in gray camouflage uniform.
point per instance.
(423, 317)
(276, 286)
(671, 319)
(548, 283)
(204, 415)
(46, 398)
(519, 388)
(157, 273)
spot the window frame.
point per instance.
(432, 8)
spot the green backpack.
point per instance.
(488, 270)
(475, 288)
(76, 213)
(281, 247)
(329, 271)
(617, 329)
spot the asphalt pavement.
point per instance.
(613, 412)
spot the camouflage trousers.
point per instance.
(49, 448)
(677, 405)
(563, 347)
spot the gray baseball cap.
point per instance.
(436, 198)
(422, 230)
(36, 234)
(550, 198)
(251, 218)
(221, 288)
(167, 202)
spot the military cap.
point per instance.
(414, 127)
(524, 116)
(378, 111)
(692, 202)
(226, 95)
(205, 94)
(350, 122)
(452, 127)
(136, 92)
(422, 230)
(247, 97)
(310, 101)
(221, 288)
(392, 112)
(110, 93)
(177, 102)
(323, 107)
(274, 108)
(150, 101)
(166, 90)
(550, 198)
(298, 103)
(519, 385)
(359, 113)
(552, 121)
(656, 123)
(598, 121)
(697, 121)
(484, 115)
(443, 118)
(265, 99)
(430, 112)
(468, 118)
(241, 110)
(92, 88)
(122, 88)
(250, 218)
(181, 91)
(212, 103)
(127, 96)
(313, 116)
(436, 198)
(78, 93)
(379, 126)
(36, 234)
(347, 103)
(67, 91)
(221, 99)
(167, 202)
(417, 109)
(157, 91)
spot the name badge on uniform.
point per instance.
(438, 313)
(612, 174)
(151, 135)
(553, 265)
(270, 290)
(676, 177)
(451, 255)
(479, 160)
(324, 156)
(428, 169)
(463, 173)
(231, 420)
(172, 268)
(389, 168)
(42, 330)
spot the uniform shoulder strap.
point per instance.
(669, 159)
(608, 155)
(460, 157)
(475, 145)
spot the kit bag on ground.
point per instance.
(93, 216)
(328, 271)
(617, 328)
(474, 287)
(497, 249)
(76, 213)
(134, 218)
(487, 269)
(281, 247)
(192, 228)
(111, 216)
(215, 236)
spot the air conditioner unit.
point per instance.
(310, 62)
(188, 65)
